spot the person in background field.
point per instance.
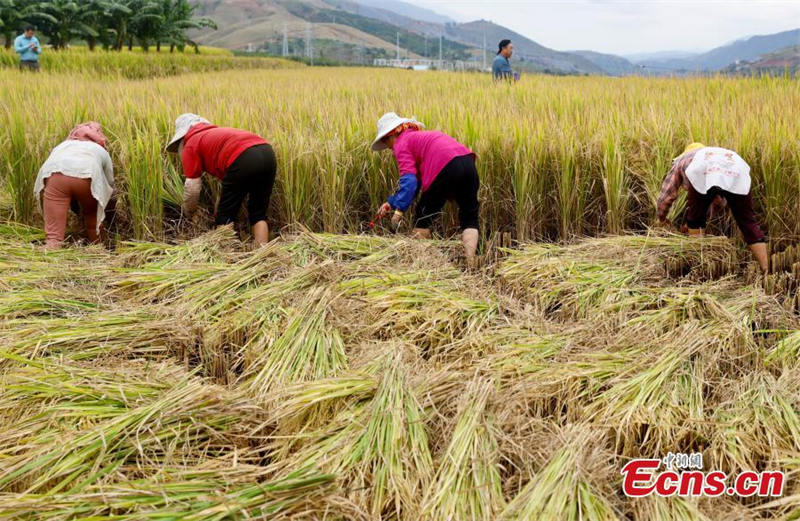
(501, 68)
(29, 49)
(77, 170)
(438, 166)
(709, 175)
(244, 162)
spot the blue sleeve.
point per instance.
(38, 46)
(19, 46)
(405, 194)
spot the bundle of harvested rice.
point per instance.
(111, 332)
(375, 441)
(467, 484)
(309, 349)
(129, 424)
(182, 494)
(417, 307)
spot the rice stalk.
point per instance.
(137, 333)
(377, 444)
(181, 494)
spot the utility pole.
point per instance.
(440, 51)
(398, 45)
(484, 48)
(285, 40)
(426, 45)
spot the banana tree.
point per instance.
(14, 14)
(178, 18)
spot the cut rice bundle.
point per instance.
(563, 489)
(309, 349)
(377, 444)
(127, 424)
(467, 484)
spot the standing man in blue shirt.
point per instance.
(29, 49)
(501, 68)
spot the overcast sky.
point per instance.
(629, 26)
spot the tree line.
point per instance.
(110, 24)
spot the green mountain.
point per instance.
(611, 64)
(527, 53)
(784, 61)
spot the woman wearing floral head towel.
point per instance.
(713, 176)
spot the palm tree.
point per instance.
(109, 22)
(141, 24)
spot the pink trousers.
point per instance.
(59, 191)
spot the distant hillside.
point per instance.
(610, 64)
(408, 10)
(745, 49)
(352, 31)
(409, 40)
(785, 61)
(338, 34)
(659, 56)
(527, 53)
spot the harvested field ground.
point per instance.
(362, 377)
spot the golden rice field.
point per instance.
(338, 375)
(558, 157)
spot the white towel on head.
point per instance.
(719, 167)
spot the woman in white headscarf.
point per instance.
(713, 177)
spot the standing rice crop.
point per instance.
(583, 162)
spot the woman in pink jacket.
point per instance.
(436, 165)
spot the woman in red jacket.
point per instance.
(244, 162)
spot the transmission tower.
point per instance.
(310, 43)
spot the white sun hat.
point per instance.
(182, 126)
(386, 124)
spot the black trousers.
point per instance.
(458, 181)
(741, 207)
(252, 174)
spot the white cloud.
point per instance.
(629, 26)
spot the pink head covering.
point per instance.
(90, 131)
